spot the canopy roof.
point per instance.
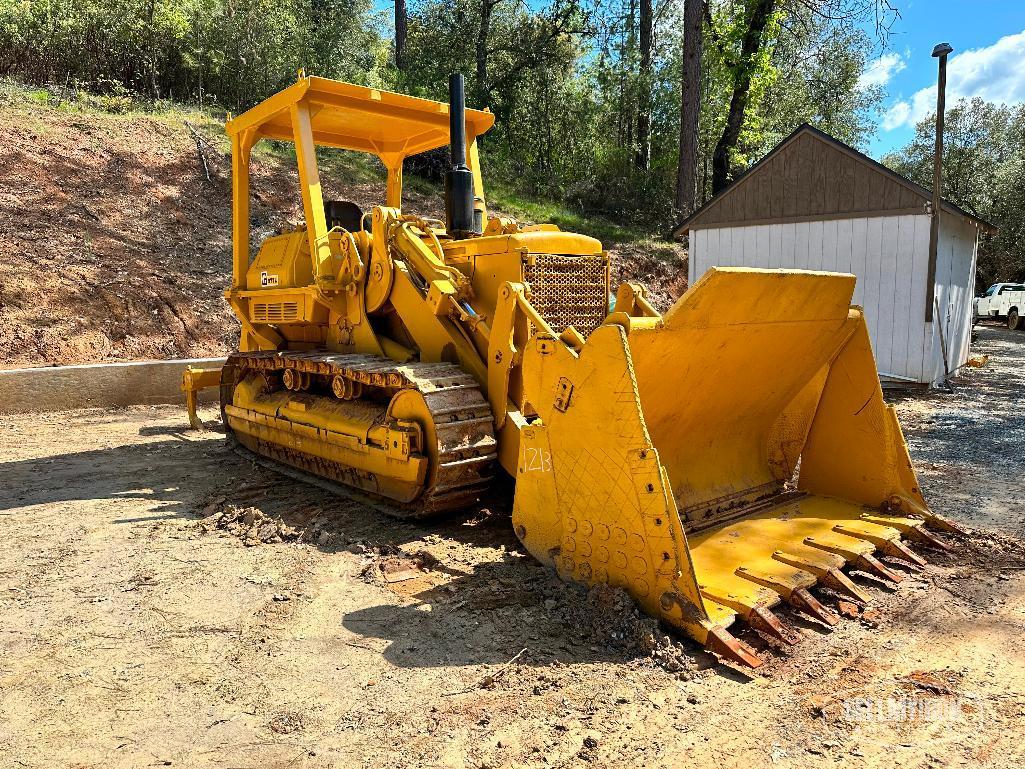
(354, 117)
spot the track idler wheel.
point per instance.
(297, 381)
(346, 389)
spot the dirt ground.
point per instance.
(168, 602)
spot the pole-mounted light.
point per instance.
(940, 51)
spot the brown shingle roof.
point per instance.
(812, 176)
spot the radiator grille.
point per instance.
(569, 290)
(275, 312)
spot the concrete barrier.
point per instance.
(55, 388)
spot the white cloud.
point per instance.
(880, 71)
(995, 73)
(896, 116)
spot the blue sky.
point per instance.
(988, 37)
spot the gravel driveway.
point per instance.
(969, 444)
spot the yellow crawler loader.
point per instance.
(713, 462)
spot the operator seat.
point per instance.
(344, 214)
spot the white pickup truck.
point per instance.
(1003, 300)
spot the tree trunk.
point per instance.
(749, 48)
(152, 56)
(690, 106)
(481, 50)
(704, 182)
(642, 158)
(400, 34)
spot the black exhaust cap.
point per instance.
(459, 215)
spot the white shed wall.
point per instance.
(889, 256)
(955, 286)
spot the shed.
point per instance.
(815, 203)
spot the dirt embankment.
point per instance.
(116, 246)
(659, 266)
(113, 246)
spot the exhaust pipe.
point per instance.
(459, 213)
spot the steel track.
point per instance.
(464, 427)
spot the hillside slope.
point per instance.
(115, 246)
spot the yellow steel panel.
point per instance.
(359, 118)
(752, 372)
(616, 521)
(309, 185)
(789, 432)
(733, 353)
(853, 419)
(239, 211)
(539, 242)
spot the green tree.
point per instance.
(983, 173)
(587, 93)
(236, 51)
(802, 57)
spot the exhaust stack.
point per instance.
(459, 214)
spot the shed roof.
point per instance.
(354, 117)
(812, 176)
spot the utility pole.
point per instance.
(941, 52)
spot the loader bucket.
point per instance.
(722, 459)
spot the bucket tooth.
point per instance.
(726, 645)
(784, 584)
(864, 561)
(850, 552)
(928, 539)
(898, 549)
(807, 603)
(911, 528)
(765, 622)
(840, 583)
(753, 607)
(888, 544)
(793, 592)
(829, 576)
(870, 564)
(944, 524)
(934, 521)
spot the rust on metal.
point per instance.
(945, 524)
(871, 565)
(806, 602)
(912, 528)
(726, 645)
(840, 583)
(849, 609)
(898, 549)
(923, 537)
(829, 576)
(888, 544)
(767, 623)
